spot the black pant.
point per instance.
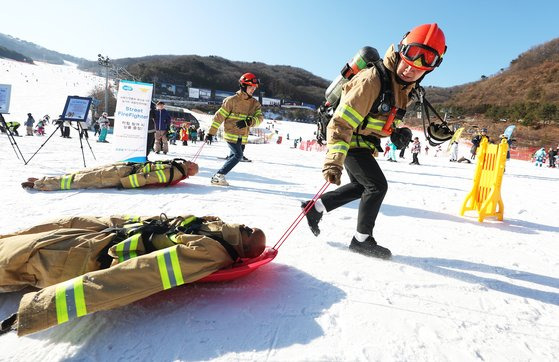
(367, 183)
(415, 160)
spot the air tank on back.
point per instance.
(364, 58)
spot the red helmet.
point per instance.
(249, 80)
(423, 47)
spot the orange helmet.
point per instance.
(249, 80)
(423, 47)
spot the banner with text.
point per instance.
(131, 121)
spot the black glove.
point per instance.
(401, 137)
(209, 137)
(247, 122)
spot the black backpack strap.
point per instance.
(147, 229)
(386, 95)
(194, 228)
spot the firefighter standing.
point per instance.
(238, 113)
(348, 134)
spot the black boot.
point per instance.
(9, 324)
(370, 247)
(313, 217)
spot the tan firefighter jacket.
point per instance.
(345, 129)
(233, 109)
(65, 258)
(125, 175)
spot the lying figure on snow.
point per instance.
(121, 175)
(82, 263)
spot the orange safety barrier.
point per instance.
(486, 192)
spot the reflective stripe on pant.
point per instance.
(367, 183)
(237, 153)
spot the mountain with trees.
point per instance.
(526, 91)
(10, 54)
(27, 52)
(213, 72)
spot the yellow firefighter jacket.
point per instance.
(345, 129)
(233, 109)
(66, 258)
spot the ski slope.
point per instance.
(455, 290)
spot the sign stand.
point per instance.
(75, 110)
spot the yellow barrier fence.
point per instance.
(486, 192)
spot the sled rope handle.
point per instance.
(301, 216)
(197, 154)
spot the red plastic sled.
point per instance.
(241, 269)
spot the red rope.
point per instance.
(304, 212)
(195, 157)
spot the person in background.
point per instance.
(162, 123)
(29, 124)
(193, 134)
(415, 149)
(551, 154)
(96, 128)
(454, 152)
(173, 134)
(104, 127)
(539, 156)
(184, 134)
(151, 129)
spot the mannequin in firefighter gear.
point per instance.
(354, 122)
(238, 113)
(82, 263)
(121, 175)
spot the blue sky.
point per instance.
(319, 36)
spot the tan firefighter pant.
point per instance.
(99, 177)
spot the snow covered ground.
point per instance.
(455, 290)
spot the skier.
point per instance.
(121, 175)
(238, 113)
(419, 52)
(91, 264)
